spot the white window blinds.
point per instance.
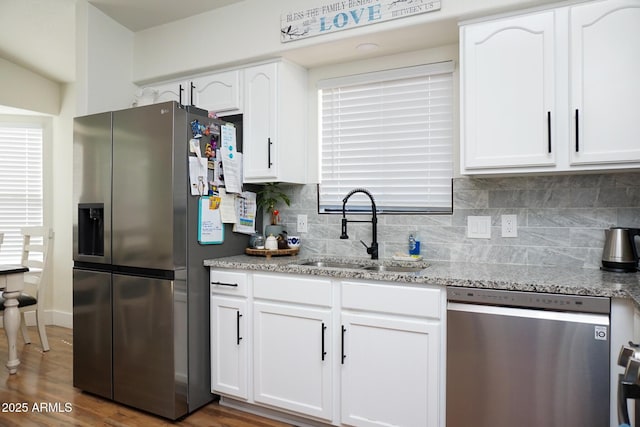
(20, 185)
(390, 132)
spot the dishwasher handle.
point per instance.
(562, 316)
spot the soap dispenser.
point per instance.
(414, 246)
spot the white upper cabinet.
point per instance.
(552, 90)
(605, 86)
(220, 92)
(274, 123)
(272, 97)
(163, 92)
(508, 85)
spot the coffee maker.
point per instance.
(620, 253)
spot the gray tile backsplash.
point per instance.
(561, 221)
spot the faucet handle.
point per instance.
(344, 234)
(371, 250)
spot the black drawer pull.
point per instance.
(234, 285)
(324, 328)
(343, 355)
(238, 337)
(577, 131)
(549, 130)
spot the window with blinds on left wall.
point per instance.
(21, 182)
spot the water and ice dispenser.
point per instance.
(91, 229)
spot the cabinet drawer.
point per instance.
(228, 282)
(291, 288)
(394, 299)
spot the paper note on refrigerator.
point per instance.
(231, 160)
(198, 176)
(228, 210)
(246, 208)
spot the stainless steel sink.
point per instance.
(330, 264)
(393, 268)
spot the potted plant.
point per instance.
(269, 196)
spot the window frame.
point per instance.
(362, 206)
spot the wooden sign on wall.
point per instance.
(341, 15)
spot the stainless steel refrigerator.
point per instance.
(140, 289)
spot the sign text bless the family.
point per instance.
(340, 15)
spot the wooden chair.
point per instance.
(35, 257)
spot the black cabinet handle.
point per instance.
(238, 337)
(235, 285)
(577, 131)
(180, 90)
(269, 164)
(549, 131)
(344, 356)
(324, 328)
(191, 94)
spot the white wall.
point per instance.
(24, 89)
(104, 54)
(250, 30)
(61, 158)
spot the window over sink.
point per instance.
(390, 132)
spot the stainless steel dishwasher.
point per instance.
(527, 359)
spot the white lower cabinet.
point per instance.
(291, 326)
(390, 371)
(291, 370)
(350, 353)
(229, 356)
(229, 333)
(391, 353)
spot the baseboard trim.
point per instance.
(62, 318)
(51, 317)
(277, 415)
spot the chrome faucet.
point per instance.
(373, 249)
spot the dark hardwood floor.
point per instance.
(42, 394)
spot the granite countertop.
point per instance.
(570, 281)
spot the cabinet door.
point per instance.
(229, 356)
(157, 93)
(260, 122)
(390, 371)
(507, 85)
(605, 83)
(217, 92)
(292, 348)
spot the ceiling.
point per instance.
(40, 34)
(139, 15)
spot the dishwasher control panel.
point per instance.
(537, 300)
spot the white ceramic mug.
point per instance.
(293, 241)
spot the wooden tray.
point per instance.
(271, 252)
